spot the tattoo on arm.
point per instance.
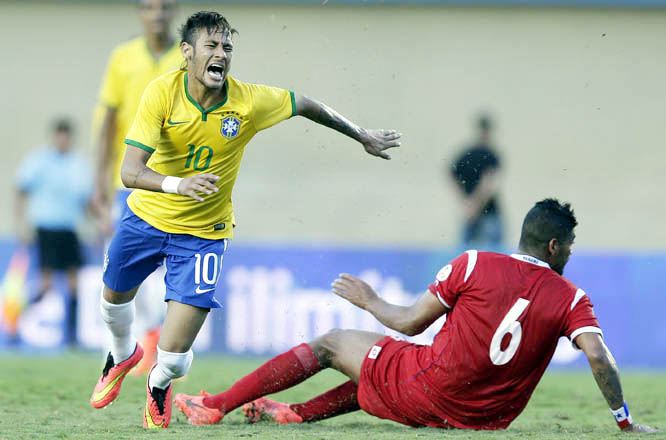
(322, 114)
(139, 175)
(608, 379)
(330, 118)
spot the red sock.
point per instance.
(281, 372)
(332, 403)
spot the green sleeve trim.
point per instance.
(139, 145)
(293, 103)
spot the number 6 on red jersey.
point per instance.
(508, 325)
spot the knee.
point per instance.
(326, 347)
(173, 345)
(113, 297)
(176, 364)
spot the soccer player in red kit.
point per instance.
(505, 314)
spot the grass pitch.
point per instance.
(44, 397)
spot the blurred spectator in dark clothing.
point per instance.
(475, 173)
(54, 189)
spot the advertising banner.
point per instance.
(275, 297)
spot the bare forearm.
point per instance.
(607, 376)
(392, 316)
(141, 177)
(106, 138)
(322, 114)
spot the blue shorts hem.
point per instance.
(117, 287)
(206, 302)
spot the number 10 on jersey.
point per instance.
(202, 268)
(194, 157)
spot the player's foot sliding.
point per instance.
(108, 385)
(282, 372)
(157, 413)
(196, 412)
(339, 400)
(261, 408)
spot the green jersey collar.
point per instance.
(204, 113)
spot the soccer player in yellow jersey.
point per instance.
(183, 155)
(132, 65)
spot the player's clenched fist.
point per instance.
(354, 290)
(201, 183)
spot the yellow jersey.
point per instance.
(130, 69)
(186, 139)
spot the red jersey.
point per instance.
(507, 314)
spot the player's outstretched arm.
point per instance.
(375, 141)
(136, 174)
(410, 321)
(607, 376)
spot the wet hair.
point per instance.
(546, 220)
(209, 20)
(63, 125)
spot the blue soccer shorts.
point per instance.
(193, 264)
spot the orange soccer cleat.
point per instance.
(157, 413)
(108, 385)
(196, 412)
(280, 412)
(149, 343)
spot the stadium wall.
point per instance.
(277, 297)
(576, 93)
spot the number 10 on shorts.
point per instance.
(207, 269)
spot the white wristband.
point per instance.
(170, 184)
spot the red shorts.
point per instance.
(386, 388)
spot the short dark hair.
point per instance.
(209, 20)
(63, 125)
(484, 122)
(546, 220)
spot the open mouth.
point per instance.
(215, 71)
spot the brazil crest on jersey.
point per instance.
(186, 139)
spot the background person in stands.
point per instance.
(476, 178)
